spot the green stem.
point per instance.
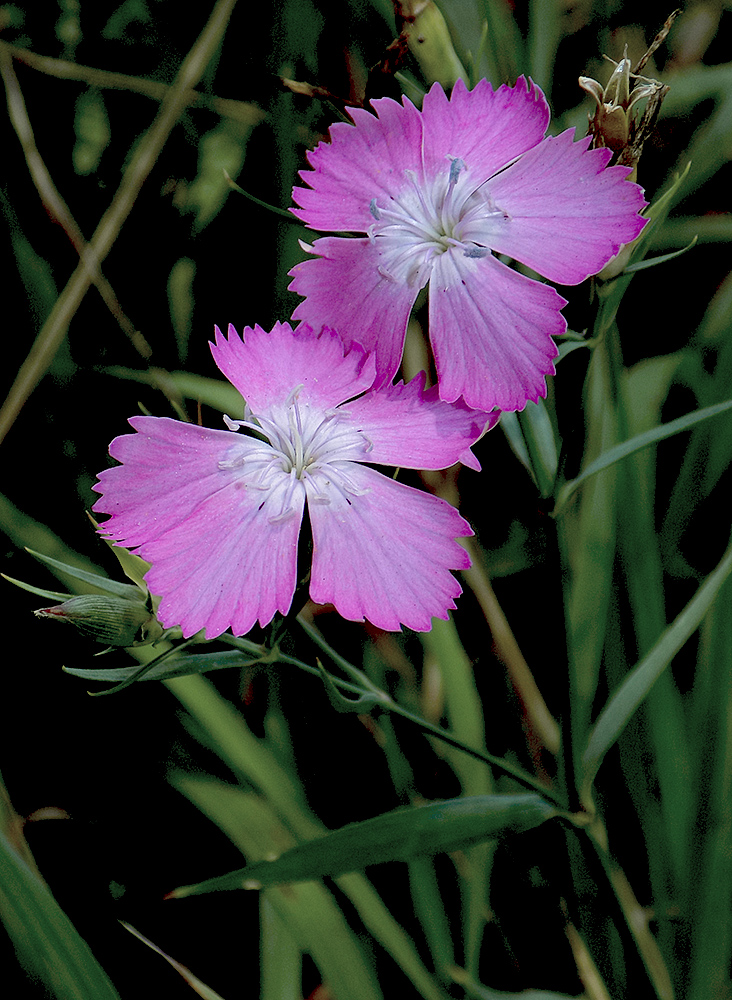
(389, 705)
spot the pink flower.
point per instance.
(438, 194)
(217, 513)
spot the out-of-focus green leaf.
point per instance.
(625, 448)
(707, 152)
(93, 134)
(212, 392)
(466, 720)
(181, 302)
(280, 963)
(500, 47)
(255, 763)
(24, 531)
(128, 13)
(309, 910)
(45, 940)
(480, 992)
(545, 33)
(300, 26)
(395, 836)
(221, 153)
(710, 887)
(680, 230)
(626, 699)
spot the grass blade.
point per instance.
(623, 703)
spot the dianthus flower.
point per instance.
(218, 512)
(438, 193)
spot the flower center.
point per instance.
(429, 218)
(298, 445)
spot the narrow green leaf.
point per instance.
(623, 702)
(710, 882)
(102, 582)
(429, 908)
(545, 33)
(643, 265)
(49, 595)
(310, 911)
(644, 390)
(587, 536)
(465, 718)
(194, 982)
(250, 758)
(566, 346)
(178, 666)
(625, 448)
(280, 956)
(46, 941)
(611, 292)
(282, 212)
(398, 835)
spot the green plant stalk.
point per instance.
(587, 543)
(707, 902)
(466, 720)
(626, 699)
(386, 703)
(46, 942)
(249, 757)
(143, 160)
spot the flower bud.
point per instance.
(110, 620)
(614, 123)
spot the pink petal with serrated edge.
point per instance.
(227, 566)
(217, 560)
(484, 128)
(491, 330)
(345, 291)
(411, 428)
(266, 367)
(360, 163)
(567, 213)
(176, 466)
(386, 555)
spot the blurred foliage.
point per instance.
(607, 624)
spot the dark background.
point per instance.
(130, 837)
